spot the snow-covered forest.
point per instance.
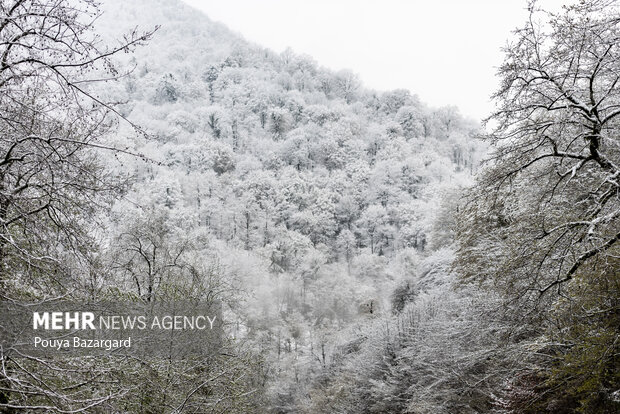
(369, 253)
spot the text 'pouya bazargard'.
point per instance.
(87, 320)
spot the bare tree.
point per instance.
(549, 203)
(543, 226)
(51, 123)
(150, 256)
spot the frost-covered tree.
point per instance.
(557, 125)
(51, 180)
(542, 225)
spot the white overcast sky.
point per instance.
(446, 51)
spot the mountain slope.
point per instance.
(310, 198)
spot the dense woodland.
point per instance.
(371, 254)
